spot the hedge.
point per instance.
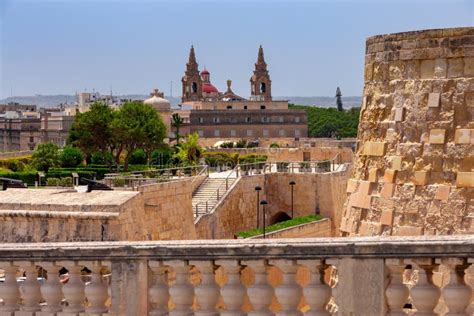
(277, 226)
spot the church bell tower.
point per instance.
(260, 83)
(192, 82)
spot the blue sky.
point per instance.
(311, 47)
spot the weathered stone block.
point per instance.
(463, 136)
(399, 114)
(437, 136)
(465, 179)
(396, 162)
(469, 66)
(373, 175)
(455, 67)
(442, 192)
(427, 69)
(374, 149)
(386, 217)
(389, 176)
(420, 178)
(387, 190)
(351, 186)
(364, 187)
(433, 100)
(440, 68)
(409, 231)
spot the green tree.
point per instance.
(340, 108)
(138, 125)
(189, 152)
(46, 156)
(71, 157)
(138, 157)
(176, 122)
(91, 131)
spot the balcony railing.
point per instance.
(206, 277)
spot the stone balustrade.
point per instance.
(340, 276)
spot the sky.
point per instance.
(311, 47)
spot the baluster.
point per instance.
(260, 293)
(288, 292)
(233, 292)
(182, 292)
(51, 290)
(317, 293)
(73, 290)
(96, 290)
(457, 294)
(158, 292)
(425, 294)
(207, 292)
(30, 288)
(9, 292)
(396, 292)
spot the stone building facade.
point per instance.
(414, 168)
(19, 133)
(211, 113)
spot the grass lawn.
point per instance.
(292, 222)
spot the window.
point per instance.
(297, 119)
(194, 87)
(282, 133)
(249, 132)
(229, 107)
(263, 87)
(280, 119)
(265, 119)
(265, 133)
(201, 120)
(32, 139)
(217, 133)
(201, 133)
(215, 120)
(248, 119)
(297, 133)
(262, 107)
(232, 133)
(245, 107)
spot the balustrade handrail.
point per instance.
(336, 247)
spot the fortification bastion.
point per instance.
(414, 168)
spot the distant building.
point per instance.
(211, 113)
(19, 130)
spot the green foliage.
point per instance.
(189, 152)
(241, 143)
(66, 182)
(289, 223)
(53, 182)
(329, 122)
(162, 156)
(214, 159)
(138, 157)
(65, 173)
(46, 156)
(71, 157)
(102, 158)
(274, 145)
(176, 122)
(28, 177)
(118, 182)
(252, 158)
(227, 145)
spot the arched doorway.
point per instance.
(279, 217)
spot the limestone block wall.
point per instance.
(313, 192)
(414, 167)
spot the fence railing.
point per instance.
(340, 276)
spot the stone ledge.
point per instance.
(363, 247)
(58, 214)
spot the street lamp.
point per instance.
(258, 189)
(263, 203)
(292, 184)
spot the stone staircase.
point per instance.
(207, 192)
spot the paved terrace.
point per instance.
(367, 277)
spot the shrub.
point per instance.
(59, 173)
(241, 143)
(118, 182)
(71, 157)
(214, 159)
(102, 158)
(277, 226)
(65, 182)
(14, 165)
(227, 145)
(28, 177)
(252, 158)
(162, 156)
(138, 157)
(274, 145)
(53, 182)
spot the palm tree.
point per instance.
(176, 122)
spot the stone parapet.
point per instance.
(236, 277)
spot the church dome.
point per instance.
(158, 102)
(208, 88)
(205, 72)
